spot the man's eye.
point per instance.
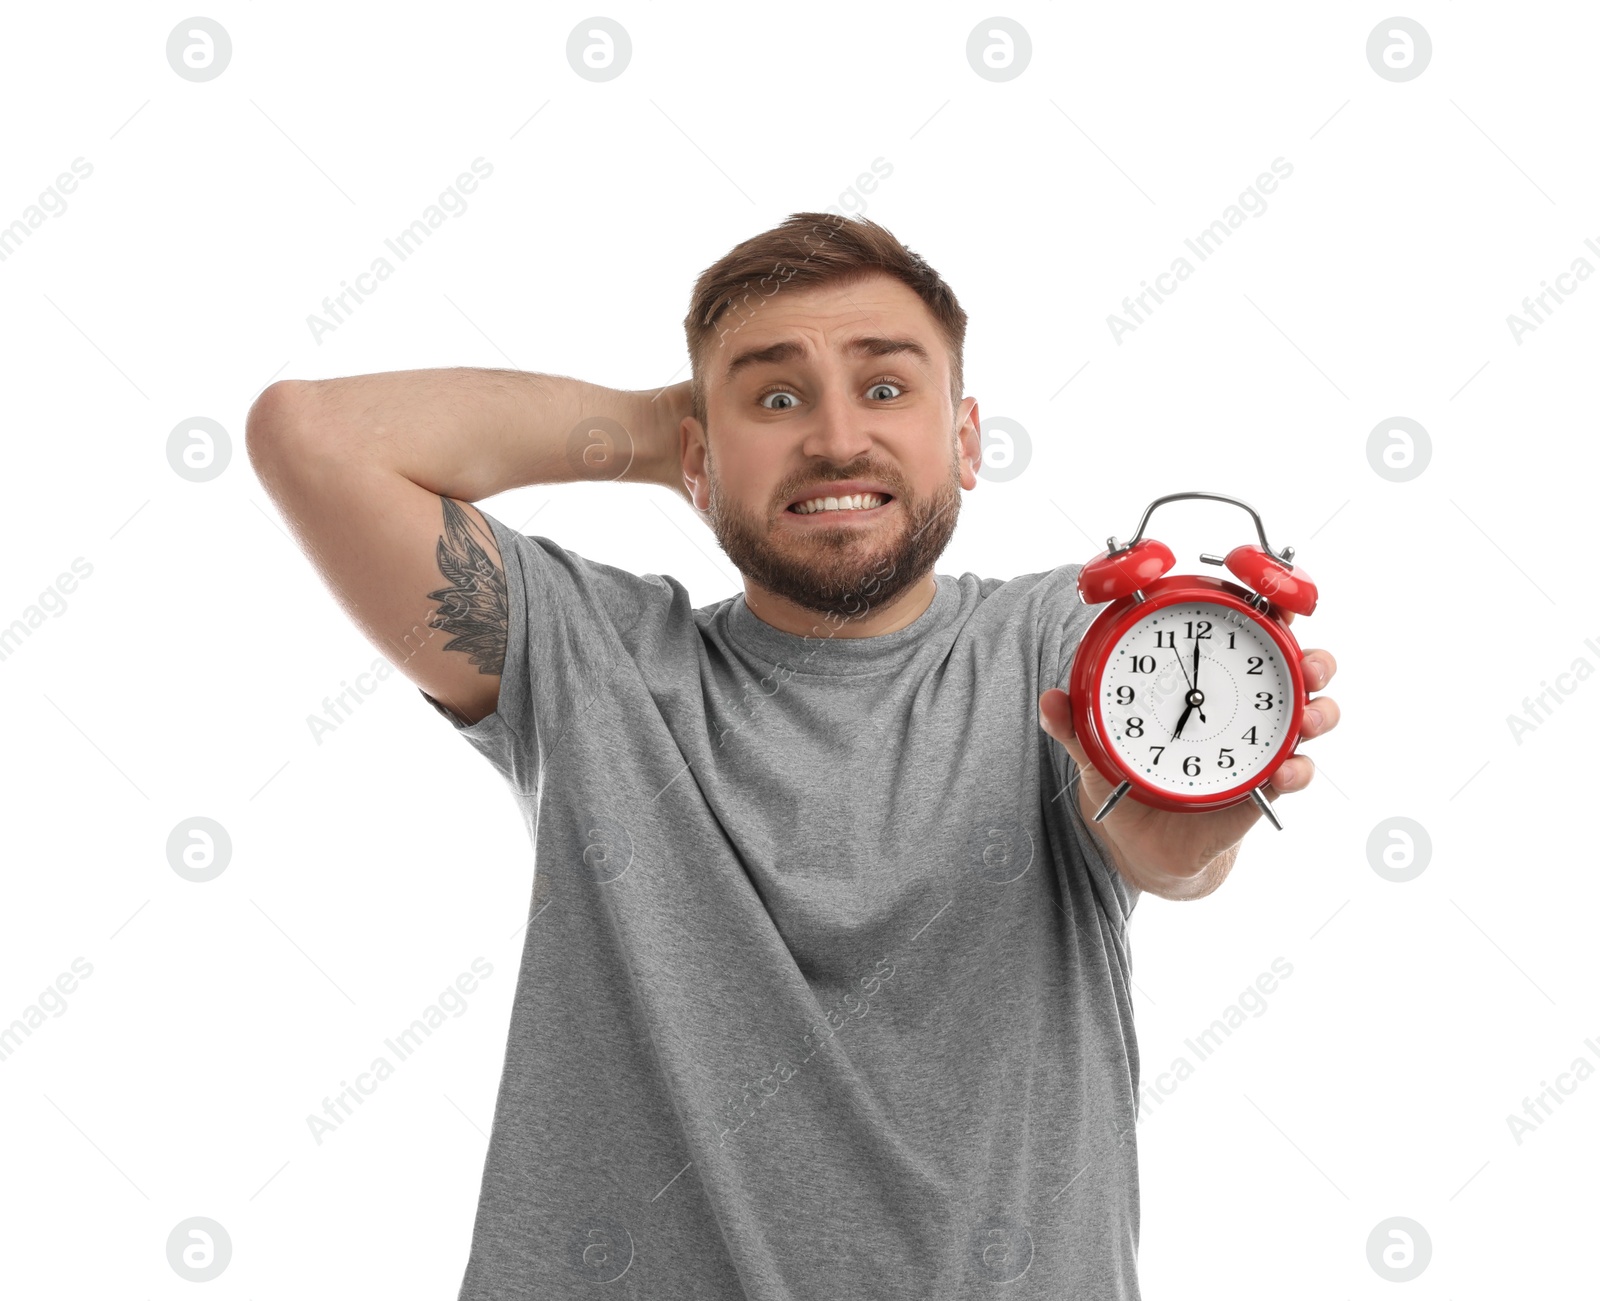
(876, 384)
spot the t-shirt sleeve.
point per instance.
(1066, 620)
(561, 642)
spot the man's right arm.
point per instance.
(376, 475)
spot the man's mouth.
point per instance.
(861, 503)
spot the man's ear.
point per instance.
(692, 454)
(969, 436)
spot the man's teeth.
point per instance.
(861, 501)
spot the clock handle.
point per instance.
(1285, 557)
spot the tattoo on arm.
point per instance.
(473, 607)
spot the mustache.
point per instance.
(869, 475)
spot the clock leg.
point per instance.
(1111, 800)
(1265, 806)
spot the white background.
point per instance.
(369, 870)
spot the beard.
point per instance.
(842, 572)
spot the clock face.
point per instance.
(1196, 732)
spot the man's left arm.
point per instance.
(1185, 855)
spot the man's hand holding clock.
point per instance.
(1184, 855)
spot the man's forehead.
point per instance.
(876, 338)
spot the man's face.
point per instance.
(783, 428)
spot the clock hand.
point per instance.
(1178, 731)
(1194, 678)
(1183, 669)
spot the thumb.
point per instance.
(1055, 716)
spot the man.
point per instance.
(825, 989)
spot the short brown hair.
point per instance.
(806, 250)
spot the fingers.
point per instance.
(1322, 715)
(1318, 668)
(1294, 774)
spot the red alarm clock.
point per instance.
(1186, 689)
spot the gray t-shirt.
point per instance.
(824, 994)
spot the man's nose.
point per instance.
(841, 432)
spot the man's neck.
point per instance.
(868, 621)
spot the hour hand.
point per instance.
(1178, 731)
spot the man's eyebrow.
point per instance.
(867, 345)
